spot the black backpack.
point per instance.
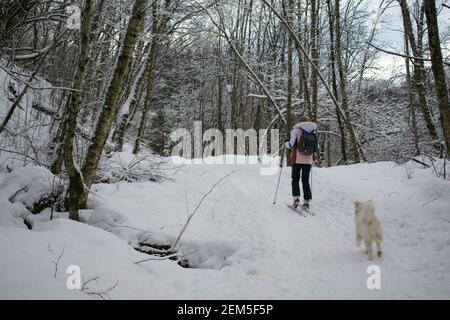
(308, 144)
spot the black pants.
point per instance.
(304, 170)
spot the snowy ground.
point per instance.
(243, 246)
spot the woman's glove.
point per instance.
(288, 145)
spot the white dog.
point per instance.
(368, 227)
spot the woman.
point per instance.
(302, 160)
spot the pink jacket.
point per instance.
(297, 157)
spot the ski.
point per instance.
(298, 210)
(309, 211)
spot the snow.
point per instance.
(20, 190)
(27, 133)
(126, 166)
(125, 109)
(28, 185)
(239, 244)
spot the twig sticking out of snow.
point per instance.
(12, 198)
(432, 160)
(443, 219)
(427, 203)
(128, 227)
(85, 287)
(422, 163)
(409, 171)
(57, 261)
(103, 294)
(187, 204)
(198, 206)
(172, 256)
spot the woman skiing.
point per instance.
(304, 144)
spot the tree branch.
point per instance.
(57, 261)
(198, 206)
(402, 55)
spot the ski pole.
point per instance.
(281, 171)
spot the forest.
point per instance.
(98, 96)
(83, 80)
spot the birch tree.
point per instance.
(110, 105)
(438, 68)
(76, 183)
(418, 70)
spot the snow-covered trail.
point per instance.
(241, 245)
(268, 252)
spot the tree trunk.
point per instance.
(151, 66)
(76, 185)
(220, 88)
(438, 68)
(418, 71)
(157, 28)
(110, 105)
(303, 68)
(290, 83)
(343, 84)
(412, 109)
(334, 82)
(315, 58)
(124, 119)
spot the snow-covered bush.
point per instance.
(127, 167)
(26, 191)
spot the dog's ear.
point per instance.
(359, 205)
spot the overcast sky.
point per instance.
(390, 35)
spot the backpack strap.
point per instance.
(297, 140)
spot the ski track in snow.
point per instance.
(245, 247)
(282, 255)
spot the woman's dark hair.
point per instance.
(304, 119)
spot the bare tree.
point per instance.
(110, 104)
(343, 83)
(418, 71)
(76, 183)
(438, 68)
